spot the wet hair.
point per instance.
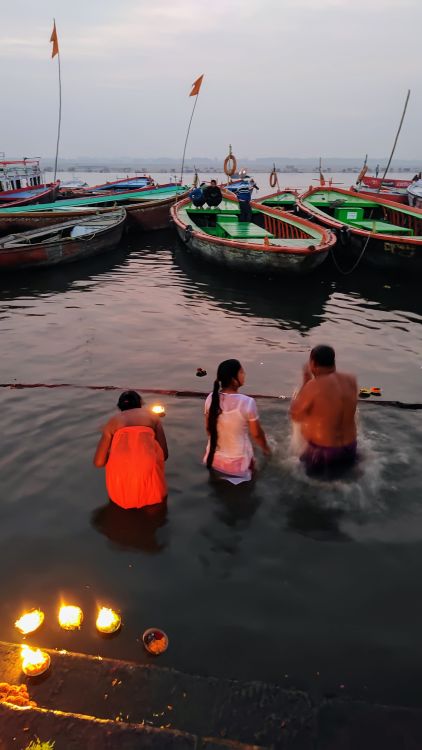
(129, 400)
(323, 356)
(213, 182)
(226, 371)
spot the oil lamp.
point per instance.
(34, 661)
(30, 621)
(70, 617)
(159, 410)
(108, 621)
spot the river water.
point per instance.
(312, 584)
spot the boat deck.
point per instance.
(369, 215)
(241, 230)
(383, 227)
(284, 200)
(155, 194)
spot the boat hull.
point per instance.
(149, 216)
(249, 260)
(61, 252)
(22, 222)
(392, 255)
(153, 215)
(13, 197)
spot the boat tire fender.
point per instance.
(273, 179)
(188, 233)
(343, 235)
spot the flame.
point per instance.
(70, 617)
(158, 409)
(30, 621)
(34, 661)
(108, 621)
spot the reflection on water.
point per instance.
(276, 300)
(321, 524)
(132, 529)
(230, 566)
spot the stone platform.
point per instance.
(90, 703)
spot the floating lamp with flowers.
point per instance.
(30, 621)
(70, 617)
(34, 661)
(108, 621)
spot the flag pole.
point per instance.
(188, 131)
(60, 110)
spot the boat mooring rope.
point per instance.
(192, 394)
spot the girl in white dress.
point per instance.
(231, 419)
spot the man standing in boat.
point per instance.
(325, 408)
(244, 195)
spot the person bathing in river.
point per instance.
(325, 407)
(133, 449)
(231, 419)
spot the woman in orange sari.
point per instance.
(133, 449)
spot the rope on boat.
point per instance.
(355, 265)
(191, 394)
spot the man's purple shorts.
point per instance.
(320, 459)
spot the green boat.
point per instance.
(272, 242)
(382, 233)
(149, 209)
(283, 199)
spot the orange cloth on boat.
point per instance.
(135, 468)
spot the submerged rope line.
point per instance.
(191, 394)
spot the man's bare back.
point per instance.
(325, 407)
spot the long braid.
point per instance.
(213, 415)
(227, 371)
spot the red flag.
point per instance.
(196, 86)
(54, 39)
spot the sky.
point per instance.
(281, 77)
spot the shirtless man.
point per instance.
(325, 407)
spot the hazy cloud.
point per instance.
(293, 77)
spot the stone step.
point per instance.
(252, 713)
(18, 726)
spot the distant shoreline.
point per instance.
(205, 168)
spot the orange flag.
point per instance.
(196, 86)
(54, 39)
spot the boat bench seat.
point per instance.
(242, 230)
(382, 227)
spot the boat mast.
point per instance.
(395, 141)
(56, 51)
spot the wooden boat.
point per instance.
(273, 242)
(390, 232)
(123, 185)
(147, 209)
(64, 243)
(414, 192)
(389, 188)
(389, 195)
(126, 183)
(21, 183)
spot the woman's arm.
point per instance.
(103, 448)
(161, 439)
(258, 435)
